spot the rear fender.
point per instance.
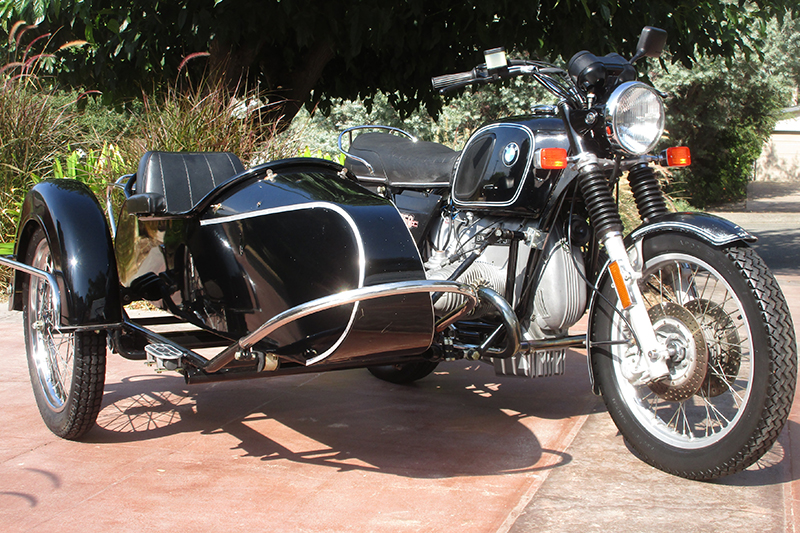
(82, 251)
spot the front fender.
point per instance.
(712, 229)
(715, 230)
(82, 251)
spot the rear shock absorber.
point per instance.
(647, 192)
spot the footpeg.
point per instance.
(164, 356)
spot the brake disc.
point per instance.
(724, 346)
(677, 327)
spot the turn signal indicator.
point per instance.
(678, 156)
(551, 158)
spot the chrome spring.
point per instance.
(647, 192)
(603, 211)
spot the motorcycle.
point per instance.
(413, 254)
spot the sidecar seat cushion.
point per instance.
(401, 162)
(184, 178)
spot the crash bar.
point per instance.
(6, 260)
(368, 293)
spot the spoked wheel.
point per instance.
(734, 362)
(67, 369)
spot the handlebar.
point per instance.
(554, 79)
(449, 80)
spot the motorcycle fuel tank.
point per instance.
(496, 170)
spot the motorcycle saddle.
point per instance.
(174, 182)
(401, 162)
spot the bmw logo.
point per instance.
(510, 154)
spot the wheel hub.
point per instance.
(724, 346)
(680, 332)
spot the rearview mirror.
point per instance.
(651, 43)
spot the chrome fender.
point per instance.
(712, 229)
(82, 251)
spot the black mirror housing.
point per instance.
(651, 43)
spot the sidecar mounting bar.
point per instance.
(55, 293)
(357, 295)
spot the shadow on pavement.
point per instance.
(457, 422)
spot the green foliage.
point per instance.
(460, 116)
(724, 112)
(317, 52)
(95, 168)
(207, 116)
(34, 127)
(336, 158)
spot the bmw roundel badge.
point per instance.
(510, 154)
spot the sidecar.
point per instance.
(284, 268)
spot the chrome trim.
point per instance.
(717, 239)
(349, 132)
(510, 321)
(525, 173)
(119, 184)
(47, 276)
(611, 116)
(345, 298)
(362, 262)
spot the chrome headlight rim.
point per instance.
(619, 130)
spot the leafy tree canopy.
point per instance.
(312, 51)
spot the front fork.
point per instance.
(604, 214)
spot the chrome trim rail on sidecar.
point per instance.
(513, 344)
(47, 276)
(473, 298)
(353, 296)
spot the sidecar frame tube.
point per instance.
(353, 296)
(55, 293)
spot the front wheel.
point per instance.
(67, 369)
(734, 363)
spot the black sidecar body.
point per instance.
(287, 267)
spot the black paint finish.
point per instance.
(277, 236)
(80, 244)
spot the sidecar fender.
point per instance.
(82, 251)
(715, 230)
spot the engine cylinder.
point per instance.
(479, 274)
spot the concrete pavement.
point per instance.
(461, 450)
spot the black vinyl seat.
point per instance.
(183, 178)
(402, 162)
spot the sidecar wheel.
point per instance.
(404, 372)
(67, 370)
(732, 380)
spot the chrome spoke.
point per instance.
(677, 279)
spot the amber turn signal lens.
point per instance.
(679, 156)
(551, 158)
(619, 284)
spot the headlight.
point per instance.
(634, 117)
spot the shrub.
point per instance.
(34, 127)
(206, 116)
(724, 119)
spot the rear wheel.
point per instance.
(733, 372)
(404, 372)
(67, 369)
